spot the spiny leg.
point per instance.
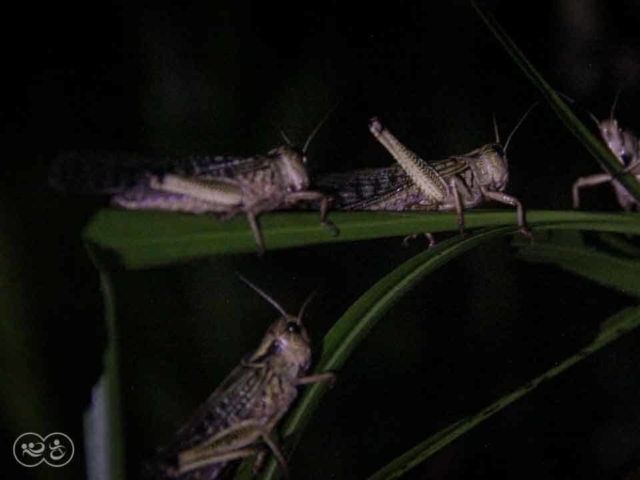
(514, 202)
(276, 453)
(234, 443)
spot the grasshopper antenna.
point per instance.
(572, 101)
(506, 145)
(304, 306)
(260, 292)
(282, 134)
(495, 128)
(615, 101)
(322, 122)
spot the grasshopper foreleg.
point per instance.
(311, 196)
(589, 181)
(514, 202)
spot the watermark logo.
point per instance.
(30, 449)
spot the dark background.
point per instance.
(221, 77)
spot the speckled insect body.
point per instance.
(454, 184)
(202, 184)
(237, 419)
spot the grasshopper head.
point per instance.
(289, 163)
(490, 166)
(286, 341)
(489, 163)
(622, 144)
(612, 135)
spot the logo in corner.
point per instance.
(30, 449)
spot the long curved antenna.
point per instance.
(615, 101)
(282, 134)
(495, 128)
(315, 130)
(304, 306)
(593, 117)
(275, 304)
(506, 145)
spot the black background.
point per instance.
(221, 77)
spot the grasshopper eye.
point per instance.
(293, 327)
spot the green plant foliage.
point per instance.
(143, 239)
(595, 146)
(611, 329)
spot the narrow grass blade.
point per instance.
(144, 239)
(605, 158)
(103, 434)
(610, 330)
(353, 327)
(622, 274)
(620, 244)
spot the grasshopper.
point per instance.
(237, 419)
(221, 185)
(456, 183)
(625, 146)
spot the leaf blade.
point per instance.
(594, 146)
(612, 329)
(144, 239)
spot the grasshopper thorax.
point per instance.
(289, 164)
(490, 166)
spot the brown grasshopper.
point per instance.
(221, 185)
(237, 419)
(625, 146)
(456, 183)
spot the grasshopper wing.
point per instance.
(371, 189)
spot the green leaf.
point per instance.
(353, 327)
(595, 146)
(102, 423)
(145, 239)
(610, 330)
(622, 274)
(620, 244)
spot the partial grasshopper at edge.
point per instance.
(453, 184)
(237, 419)
(626, 147)
(222, 185)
